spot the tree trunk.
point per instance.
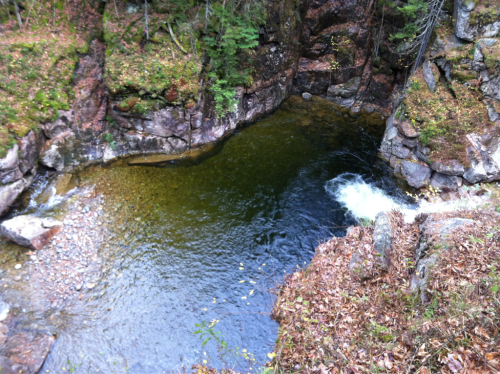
(146, 16)
(18, 15)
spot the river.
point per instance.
(209, 239)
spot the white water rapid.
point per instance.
(364, 200)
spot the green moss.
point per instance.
(484, 16)
(463, 76)
(144, 106)
(445, 116)
(35, 84)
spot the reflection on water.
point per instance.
(183, 237)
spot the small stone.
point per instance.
(69, 237)
(18, 266)
(90, 285)
(17, 278)
(78, 287)
(4, 311)
(306, 96)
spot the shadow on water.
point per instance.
(183, 237)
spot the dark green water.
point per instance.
(179, 234)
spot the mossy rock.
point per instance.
(127, 104)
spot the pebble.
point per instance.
(17, 278)
(18, 266)
(78, 287)
(90, 285)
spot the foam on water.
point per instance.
(364, 200)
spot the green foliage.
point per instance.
(110, 139)
(411, 12)
(230, 35)
(380, 332)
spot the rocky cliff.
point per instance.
(445, 132)
(83, 84)
(106, 104)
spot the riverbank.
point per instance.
(398, 297)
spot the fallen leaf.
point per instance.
(453, 364)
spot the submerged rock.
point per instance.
(25, 352)
(30, 231)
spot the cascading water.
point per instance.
(364, 200)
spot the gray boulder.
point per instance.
(382, 240)
(344, 90)
(484, 160)
(9, 166)
(363, 262)
(443, 181)
(30, 231)
(448, 167)
(432, 245)
(9, 176)
(11, 160)
(10, 192)
(429, 69)
(166, 123)
(417, 175)
(464, 29)
(59, 126)
(29, 150)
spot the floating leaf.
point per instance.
(244, 297)
(242, 281)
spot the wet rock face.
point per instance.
(30, 231)
(17, 169)
(336, 55)
(98, 129)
